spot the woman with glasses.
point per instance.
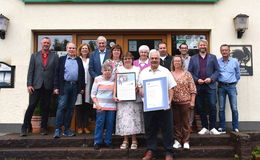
(129, 117)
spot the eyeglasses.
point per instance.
(154, 58)
(127, 58)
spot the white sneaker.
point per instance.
(236, 130)
(176, 144)
(214, 131)
(186, 145)
(203, 131)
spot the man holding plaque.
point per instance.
(155, 86)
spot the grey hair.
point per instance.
(101, 38)
(154, 51)
(105, 66)
(203, 41)
(144, 47)
(69, 44)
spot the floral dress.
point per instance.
(129, 116)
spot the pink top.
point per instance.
(138, 64)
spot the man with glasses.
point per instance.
(69, 81)
(160, 119)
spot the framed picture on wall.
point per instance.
(243, 53)
(6, 75)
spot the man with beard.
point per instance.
(205, 71)
(183, 48)
(166, 59)
(160, 119)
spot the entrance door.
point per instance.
(133, 42)
(91, 40)
(129, 43)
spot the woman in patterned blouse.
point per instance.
(183, 99)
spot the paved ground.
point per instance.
(2, 134)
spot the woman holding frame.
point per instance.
(129, 117)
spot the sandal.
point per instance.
(124, 145)
(134, 145)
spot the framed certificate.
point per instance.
(125, 86)
(155, 94)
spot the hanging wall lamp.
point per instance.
(3, 26)
(241, 24)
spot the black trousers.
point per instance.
(84, 112)
(44, 96)
(154, 121)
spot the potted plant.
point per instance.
(256, 153)
(36, 120)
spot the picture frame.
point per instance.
(243, 53)
(7, 73)
(155, 94)
(126, 86)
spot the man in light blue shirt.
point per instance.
(229, 75)
(69, 81)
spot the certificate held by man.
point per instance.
(155, 94)
(126, 86)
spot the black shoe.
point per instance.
(44, 131)
(109, 145)
(97, 146)
(23, 132)
(30, 129)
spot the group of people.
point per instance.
(191, 81)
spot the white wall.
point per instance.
(217, 17)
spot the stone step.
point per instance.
(104, 153)
(37, 140)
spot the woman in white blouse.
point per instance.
(84, 110)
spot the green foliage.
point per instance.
(37, 111)
(256, 152)
(236, 156)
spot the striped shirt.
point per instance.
(102, 89)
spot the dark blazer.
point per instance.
(94, 63)
(166, 62)
(39, 75)
(59, 75)
(212, 70)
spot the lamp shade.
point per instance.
(241, 22)
(3, 23)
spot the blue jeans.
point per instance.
(231, 91)
(105, 118)
(207, 97)
(154, 121)
(66, 101)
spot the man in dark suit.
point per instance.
(205, 71)
(40, 85)
(69, 80)
(98, 57)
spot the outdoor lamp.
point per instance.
(3, 26)
(241, 24)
